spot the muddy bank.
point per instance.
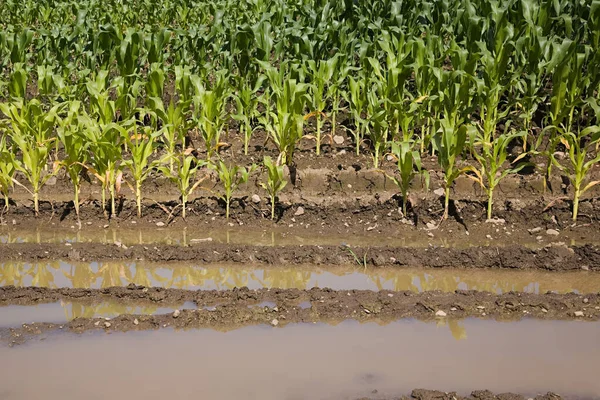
(554, 257)
(425, 394)
(225, 310)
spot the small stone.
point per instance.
(208, 239)
(338, 139)
(367, 311)
(585, 268)
(107, 324)
(341, 152)
(480, 307)
(439, 192)
(552, 232)
(544, 310)
(274, 322)
(107, 319)
(579, 313)
(176, 313)
(160, 223)
(136, 322)
(430, 225)
(371, 227)
(390, 295)
(534, 230)
(105, 226)
(255, 198)
(499, 221)
(538, 238)
(440, 313)
(483, 314)
(489, 237)
(430, 234)
(299, 211)
(453, 309)
(586, 300)
(97, 323)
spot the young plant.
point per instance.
(186, 167)
(7, 170)
(247, 101)
(409, 166)
(449, 142)
(210, 112)
(491, 154)
(174, 124)
(231, 177)
(142, 145)
(275, 181)
(579, 144)
(75, 147)
(30, 128)
(357, 97)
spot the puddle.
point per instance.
(62, 312)
(263, 304)
(186, 276)
(307, 361)
(257, 237)
(304, 305)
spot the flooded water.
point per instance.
(307, 361)
(191, 276)
(64, 311)
(252, 236)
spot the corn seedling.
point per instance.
(184, 176)
(409, 166)
(275, 181)
(7, 171)
(231, 177)
(247, 101)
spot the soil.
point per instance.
(225, 310)
(423, 394)
(553, 257)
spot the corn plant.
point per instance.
(579, 145)
(210, 112)
(184, 177)
(275, 181)
(70, 135)
(491, 154)
(175, 124)
(231, 177)
(105, 143)
(320, 73)
(30, 128)
(357, 97)
(409, 166)
(247, 101)
(285, 125)
(142, 145)
(7, 170)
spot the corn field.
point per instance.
(112, 88)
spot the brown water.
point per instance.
(308, 361)
(251, 236)
(191, 276)
(64, 311)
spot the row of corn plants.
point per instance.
(483, 85)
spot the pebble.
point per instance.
(136, 322)
(544, 310)
(176, 313)
(97, 323)
(390, 295)
(489, 237)
(274, 322)
(538, 238)
(299, 212)
(429, 234)
(586, 300)
(208, 239)
(440, 313)
(439, 192)
(160, 223)
(107, 324)
(585, 268)
(431, 225)
(579, 313)
(255, 198)
(552, 232)
(338, 139)
(535, 230)
(480, 307)
(500, 221)
(453, 309)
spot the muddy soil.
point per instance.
(424, 394)
(225, 310)
(553, 257)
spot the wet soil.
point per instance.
(225, 310)
(424, 394)
(553, 257)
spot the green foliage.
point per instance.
(231, 177)
(186, 168)
(275, 181)
(409, 166)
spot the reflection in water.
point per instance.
(100, 275)
(64, 311)
(309, 361)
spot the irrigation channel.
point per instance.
(286, 329)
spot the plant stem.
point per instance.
(183, 202)
(272, 208)
(138, 198)
(36, 202)
(104, 200)
(76, 198)
(319, 123)
(227, 200)
(576, 203)
(490, 203)
(446, 202)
